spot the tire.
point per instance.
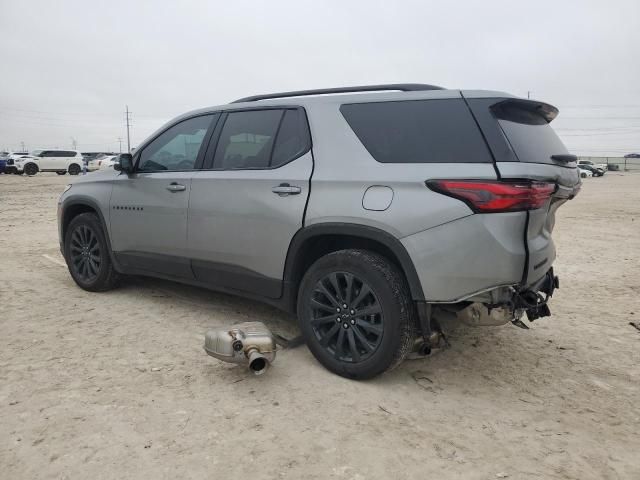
(30, 169)
(61, 172)
(347, 344)
(74, 169)
(87, 254)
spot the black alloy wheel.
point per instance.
(346, 317)
(355, 313)
(30, 169)
(85, 253)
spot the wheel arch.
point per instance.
(72, 164)
(315, 241)
(77, 206)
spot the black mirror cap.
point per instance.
(124, 163)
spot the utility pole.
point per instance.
(128, 119)
(528, 94)
(120, 142)
(23, 147)
(74, 144)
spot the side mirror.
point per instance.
(124, 163)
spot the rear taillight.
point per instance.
(494, 196)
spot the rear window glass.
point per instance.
(531, 138)
(418, 131)
(247, 139)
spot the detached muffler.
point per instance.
(250, 342)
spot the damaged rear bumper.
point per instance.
(496, 307)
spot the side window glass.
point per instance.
(177, 148)
(247, 139)
(292, 140)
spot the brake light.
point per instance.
(494, 196)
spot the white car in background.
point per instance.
(602, 166)
(584, 173)
(59, 161)
(96, 162)
(107, 162)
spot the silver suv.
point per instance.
(372, 213)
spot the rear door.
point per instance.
(249, 201)
(526, 147)
(148, 210)
(47, 159)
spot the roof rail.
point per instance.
(403, 87)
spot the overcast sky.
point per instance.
(67, 68)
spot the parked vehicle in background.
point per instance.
(108, 162)
(596, 171)
(632, 155)
(93, 159)
(4, 156)
(15, 163)
(600, 166)
(59, 161)
(584, 172)
(372, 214)
(96, 163)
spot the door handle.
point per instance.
(285, 189)
(176, 187)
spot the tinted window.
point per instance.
(418, 131)
(247, 139)
(529, 133)
(176, 148)
(292, 140)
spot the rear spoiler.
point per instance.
(530, 112)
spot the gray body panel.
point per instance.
(236, 219)
(148, 220)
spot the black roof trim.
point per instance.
(403, 87)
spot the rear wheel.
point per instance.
(62, 172)
(30, 169)
(74, 169)
(356, 314)
(87, 254)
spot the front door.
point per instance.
(247, 206)
(148, 209)
(47, 160)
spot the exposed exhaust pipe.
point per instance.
(250, 343)
(258, 363)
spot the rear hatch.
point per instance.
(525, 147)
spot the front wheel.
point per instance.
(87, 254)
(356, 314)
(30, 169)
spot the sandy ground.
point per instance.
(116, 385)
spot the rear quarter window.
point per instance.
(418, 131)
